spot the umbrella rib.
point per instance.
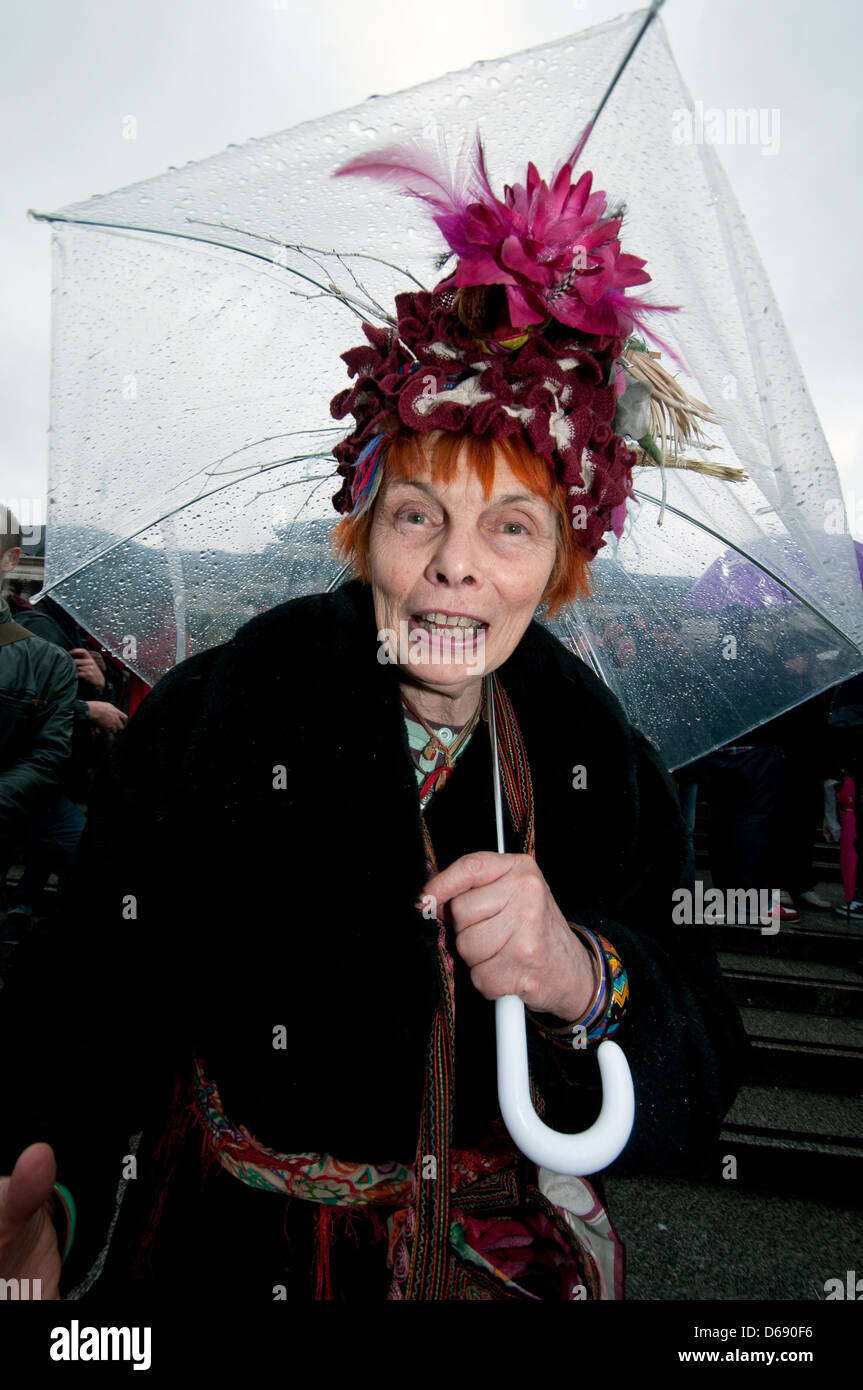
(345, 569)
(766, 569)
(590, 658)
(655, 7)
(340, 256)
(245, 468)
(204, 241)
(157, 521)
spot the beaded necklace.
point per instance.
(434, 749)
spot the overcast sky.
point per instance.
(198, 75)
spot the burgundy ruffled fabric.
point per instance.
(556, 389)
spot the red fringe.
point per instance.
(333, 1223)
(183, 1118)
(324, 1237)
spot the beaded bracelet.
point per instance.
(602, 1019)
(67, 1202)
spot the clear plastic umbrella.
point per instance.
(196, 348)
(195, 351)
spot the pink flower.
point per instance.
(553, 249)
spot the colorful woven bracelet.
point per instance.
(601, 1020)
(67, 1202)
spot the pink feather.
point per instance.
(582, 141)
(417, 170)
(421, 174)
(527, 240)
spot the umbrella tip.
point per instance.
(35, 216)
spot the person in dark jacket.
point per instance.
(96, 709)
(53, 837)
(38, 685)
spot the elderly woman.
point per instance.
(263, 1052)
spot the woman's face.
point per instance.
(457, 576)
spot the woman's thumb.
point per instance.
(31, 1183)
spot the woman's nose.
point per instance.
(454, 559)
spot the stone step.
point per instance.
(784, 1167)
(791, 1140)
(817, 937)
(824, 1054)
(793, 986)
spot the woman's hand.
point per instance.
(512, 935)
(28, 1239)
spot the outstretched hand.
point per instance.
(28, 1239)
(512, 935)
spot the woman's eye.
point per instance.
(415, 518)
(513, 528)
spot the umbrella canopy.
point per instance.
(196, 348)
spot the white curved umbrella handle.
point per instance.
(576, 1155)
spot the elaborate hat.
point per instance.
(533, 333)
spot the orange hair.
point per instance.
(404, 458)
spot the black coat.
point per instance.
(53, 624)
(38, 684)
(215, 899)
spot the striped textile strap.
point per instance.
(429, 1221)
(429, 1262)
(514, 768)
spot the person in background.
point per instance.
(54, 837)
(845, 742)
(38, 686)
